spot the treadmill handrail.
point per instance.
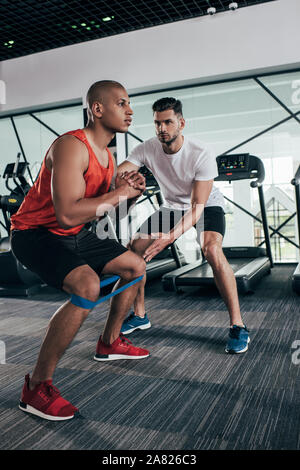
(296, 180)
(261, 174)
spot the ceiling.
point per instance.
(31, 26)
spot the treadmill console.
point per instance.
(240, 166)
(233, 163)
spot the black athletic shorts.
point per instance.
(53, 256)
(163, 220)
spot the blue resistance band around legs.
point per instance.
(88, 304)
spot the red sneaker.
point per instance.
(46, 402)
(121, 348)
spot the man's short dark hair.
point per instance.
(97, 91)
(168, 103)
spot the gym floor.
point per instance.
(188, 394)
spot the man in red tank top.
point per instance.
(49, 237)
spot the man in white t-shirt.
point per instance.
(184, 169)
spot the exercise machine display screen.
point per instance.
(233, 163)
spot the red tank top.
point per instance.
(37, 209)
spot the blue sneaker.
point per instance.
(133, 322)
(238, 340)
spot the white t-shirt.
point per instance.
(176, 172)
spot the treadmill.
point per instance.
(296, 182)
(249, 263)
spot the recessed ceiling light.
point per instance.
(233, 6)
(211, 10)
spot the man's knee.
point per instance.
(213, 252)
(136, 267)
(84, 283)
(90, 289)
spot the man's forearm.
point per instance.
(187, 221)
(88, 209)
(200, 192)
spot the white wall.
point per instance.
(257, 38)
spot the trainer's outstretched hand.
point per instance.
(161, 242)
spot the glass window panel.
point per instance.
(9, 149)
(286, 87)
(33, 141)
(8, 154)
(36, 138)
(280, 151)
(222, 115)
(62, 120)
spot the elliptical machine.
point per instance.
(15, 279)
